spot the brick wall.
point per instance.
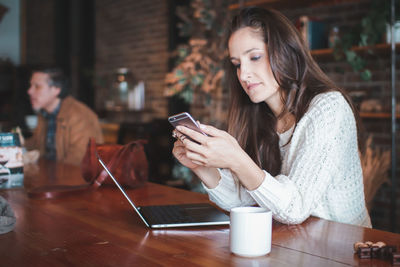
(133, 34)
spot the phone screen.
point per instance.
(185, 119)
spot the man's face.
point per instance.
(42, 95)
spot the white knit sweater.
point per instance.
(321, 170)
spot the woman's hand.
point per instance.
(219, 149)
(179, 152)
(209, 176)
(216, 150)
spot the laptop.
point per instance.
(168, 216)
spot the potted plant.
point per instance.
(198, 63)
(197, 75)
(367, 33)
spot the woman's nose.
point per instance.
(244, 74)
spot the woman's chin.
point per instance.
(256, 100)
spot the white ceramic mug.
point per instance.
(250, 231)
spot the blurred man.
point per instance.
(64, 124)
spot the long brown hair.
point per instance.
(299, 78)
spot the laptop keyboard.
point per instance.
(166, 214)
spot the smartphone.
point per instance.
(185, 119)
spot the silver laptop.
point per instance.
(181, 215)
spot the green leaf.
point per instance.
(183, 52)
(179, 73)
(197, 79)
(358, 63)
(366, 75)
(350, 55)
(185, 29)
(187, 94)
(365, 22)
(363, 39)
(182, 80)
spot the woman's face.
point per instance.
(248, 53)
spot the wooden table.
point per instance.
(100, 229)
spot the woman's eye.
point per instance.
(237, 66)
(255, 58)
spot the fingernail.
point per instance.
(202, 126)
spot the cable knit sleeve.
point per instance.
(325, 137)
(227, 194)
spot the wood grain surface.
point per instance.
(100, 229)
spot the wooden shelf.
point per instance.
(377, 115)
(378, 48)
(289, 3)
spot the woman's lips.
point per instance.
(251, 86)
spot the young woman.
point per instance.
(292, 142)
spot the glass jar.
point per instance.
(122, 82)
